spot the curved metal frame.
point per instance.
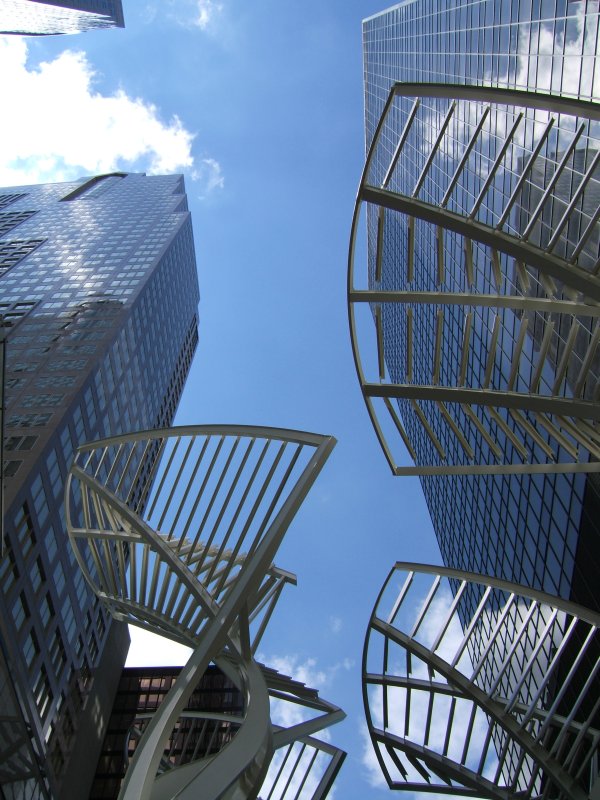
(538, 422)
(176, 531)
(492, 657)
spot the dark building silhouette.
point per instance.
(98, 295)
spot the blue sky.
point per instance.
(260, 105)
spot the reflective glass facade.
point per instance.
(140, 692)
(537, 530)
(59, 16)
(99, 295)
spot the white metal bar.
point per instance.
(464, 359)
(486, 436)
(468, 248)
(401, 142)
(524, 423)
(456, 431)
(556, 434)
(585, 235)
(400, 428)
(440, 255)
(465, 157)
(587, 361)
(551, 184)
(380, 241)
(526, 172)
(510, 434)
(380, 344)
(409, 344)
(428, 429)
(498, 160)
(434, 149)
(439, 336)
(518, 349)
(573, 202)
(491, 359)
(425, 607)
(566, 355)
(543, 352)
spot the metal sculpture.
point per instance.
(486, 332)
(480, 687)
(176, 531)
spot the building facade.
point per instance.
(487, 361)
(538, 530)
(140, 692)
(42, 17)
(99, 295)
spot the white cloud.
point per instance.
(64, 128)
(373, 775)
(419, 701)
(208, 172)
(206, 10)
(305, 671)
(200, 14)
(335, 624)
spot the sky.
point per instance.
(260, 105)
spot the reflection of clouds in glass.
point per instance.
(559, 57)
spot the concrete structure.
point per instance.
(99, 294)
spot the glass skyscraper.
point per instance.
(99, 296)
(477, 347)
(540, 530)
(40, 17)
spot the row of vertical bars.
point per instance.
(481, 129)
(570, 742)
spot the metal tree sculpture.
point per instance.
(482, 279)
(176, 531)
(480, 687)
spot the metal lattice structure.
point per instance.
(483, 281)
(176, 531)
(479, 687)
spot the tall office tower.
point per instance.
(481, 191)
(499, 171)
(42, 17)
(99, 295)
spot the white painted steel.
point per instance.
(547, 281)
(176, 531)
(479, 687)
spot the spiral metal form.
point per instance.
(480, 687)
(482, 281)
(176, 531)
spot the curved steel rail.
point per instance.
(486, 336)
(480, 687)
(176, 531)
